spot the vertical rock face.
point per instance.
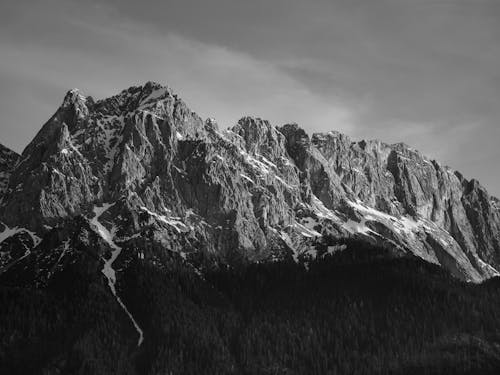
(482, 213)
(317, 173)
(398, 180)
(179, 185)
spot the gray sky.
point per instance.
(425, 72)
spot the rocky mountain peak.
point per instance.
(136, 98)
(294, 134)
(75, 97)
(260, 137)
(75, 106)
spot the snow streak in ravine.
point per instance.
(108, 270)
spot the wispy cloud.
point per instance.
(216, 81)
(424, 72)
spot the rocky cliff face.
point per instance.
(168, 184)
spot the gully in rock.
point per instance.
(108, 270)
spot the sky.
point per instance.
(422, 72)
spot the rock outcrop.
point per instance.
(180, 186)
(8, 161)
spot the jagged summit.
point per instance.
(135, 98)
(74, 95)
(168, 183)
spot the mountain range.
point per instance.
(138, 178)
(163, 177)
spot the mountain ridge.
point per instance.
(251, 193)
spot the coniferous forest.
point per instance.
(360, 311)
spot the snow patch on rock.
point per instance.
(108, 270)
(9, 232)
(174, 222)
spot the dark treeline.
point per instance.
(358, 312)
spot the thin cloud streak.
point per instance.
(423, 72)
(215, 81)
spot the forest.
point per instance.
(360, 311)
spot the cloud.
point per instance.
(420, 71)
(214, 80)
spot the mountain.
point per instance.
(124, 208)
(170, 180)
